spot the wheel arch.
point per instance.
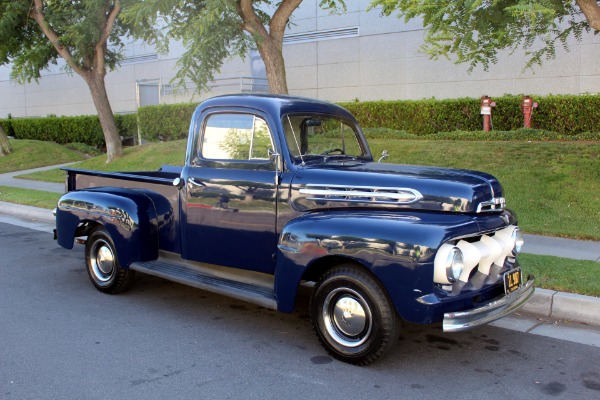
(128, 216)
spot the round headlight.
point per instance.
(454, 264)
(518, 240)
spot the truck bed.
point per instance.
(81, 178)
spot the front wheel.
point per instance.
(103, 266)
(352, 315)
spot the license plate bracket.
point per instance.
(513, 280)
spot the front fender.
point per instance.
(128, 215)
(398, 248)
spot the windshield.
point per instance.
(321, 137)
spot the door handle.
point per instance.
(194, 182)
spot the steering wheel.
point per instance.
(331, 151)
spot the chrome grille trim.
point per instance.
(362, 194)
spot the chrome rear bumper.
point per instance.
(462, 320)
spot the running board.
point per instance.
(253, 287)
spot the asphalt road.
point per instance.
(62, 339)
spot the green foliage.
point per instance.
(213, 30)
(564, 115)
(78, 25)
(210, 30)
(83, 148)
(63, 130)
(165, 122)
(127, 124)
(475, 30)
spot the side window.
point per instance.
(236, 137)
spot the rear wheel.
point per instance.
(103, 266)
(352, 315)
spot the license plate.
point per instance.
(512, 280)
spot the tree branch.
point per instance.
(252, 23)
(103, 41)
(38, 15)
(281, 17)
(591, 10)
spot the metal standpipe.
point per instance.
(486, 105)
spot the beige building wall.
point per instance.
(338, 57)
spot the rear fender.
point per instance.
(128, 215)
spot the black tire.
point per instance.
(352, 315)
(103, 266)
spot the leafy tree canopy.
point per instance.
(474, 31)
(77, 30)
(213, 30)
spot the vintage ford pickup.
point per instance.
(278, 192)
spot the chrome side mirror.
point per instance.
(384, 156)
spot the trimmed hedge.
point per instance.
(566, 114)
(127, 124)
(63, 130)
(165, 122)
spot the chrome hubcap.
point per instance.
(347, 317)
(102, 261)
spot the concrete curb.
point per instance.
(569, 306)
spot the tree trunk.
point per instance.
(272, 55)
(5, 147)
(114, 148)
(591, 10)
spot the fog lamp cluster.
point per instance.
(454, 262)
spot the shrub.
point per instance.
(165, 122)
(62, 130)
(127, 124)
(567, 114)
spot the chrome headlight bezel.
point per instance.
(518, 240)
(454, 264)
(448, 264)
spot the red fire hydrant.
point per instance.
(527, 106)
(486, 110)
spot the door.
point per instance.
(231, 194)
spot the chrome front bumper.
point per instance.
(462, 320)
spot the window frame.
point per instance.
(200, 159)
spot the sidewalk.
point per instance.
(8, 179)
(544, 303)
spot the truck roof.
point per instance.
(276, 105)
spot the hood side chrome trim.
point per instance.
(371, 194)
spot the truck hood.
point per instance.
(370, 184)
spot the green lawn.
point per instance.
(36, 198)
(563, 274)
(29, 154)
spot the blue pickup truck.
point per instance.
(278, 192)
